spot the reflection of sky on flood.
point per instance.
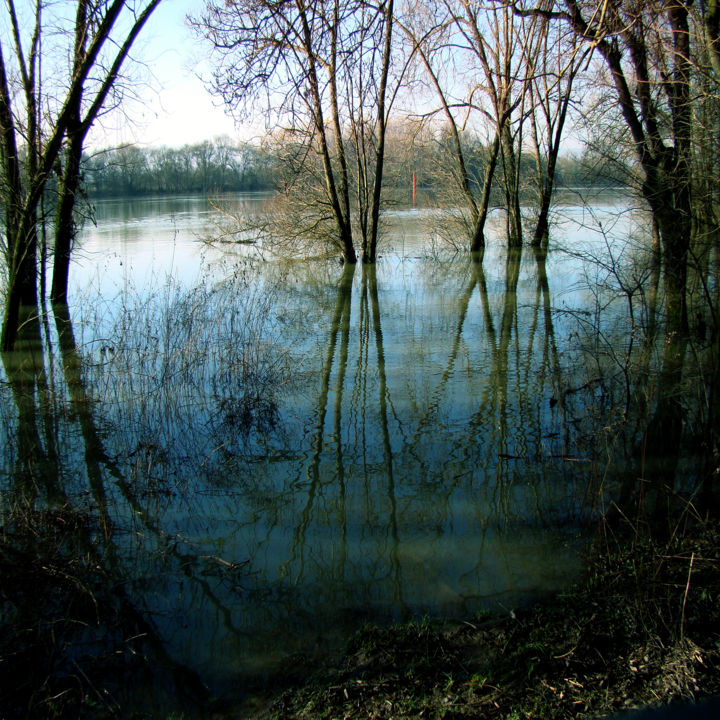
(150, 239)
(137, 245)
(139, 252)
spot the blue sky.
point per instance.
(173, 107)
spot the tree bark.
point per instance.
(336, 202)
(69, 176)
(478, 239)
(511, 182)
(542, 229)
(68, 188)
(371, 255)
(712, 33)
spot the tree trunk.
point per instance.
(69, 185)
(542, 229)
(512, 192)
(478, 238)
(336, 200)
(21, 291)
(666, 167)
(675, 227)
(371, 255)
(337, 126)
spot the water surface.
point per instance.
(279, 451)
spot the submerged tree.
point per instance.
(40, 116)
(646, 51)
(478, 64)
(556, 58)
(429, 31)
(323, 74)
(493, 37)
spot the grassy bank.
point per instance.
(642, 628)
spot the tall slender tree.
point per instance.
(103, 34)
(484, 39)
(645, 47)
(323, 72)
(79, 122)
(555, 58)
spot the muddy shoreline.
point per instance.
(641, 629)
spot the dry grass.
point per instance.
(643, 628)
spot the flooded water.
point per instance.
(275, 452)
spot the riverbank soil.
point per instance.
(643, 628)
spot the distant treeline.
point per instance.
(223, 166)
(208, 167)
(433, 165)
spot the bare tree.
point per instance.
(555, 58)
(485, 39)
(494, 35)
(429, 31)
(646, 50)
(80, 119)
(103, 34)
(322, 72)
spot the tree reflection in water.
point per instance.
(268, 461)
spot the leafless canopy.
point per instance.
(325, 74)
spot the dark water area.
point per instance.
(270, 453)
